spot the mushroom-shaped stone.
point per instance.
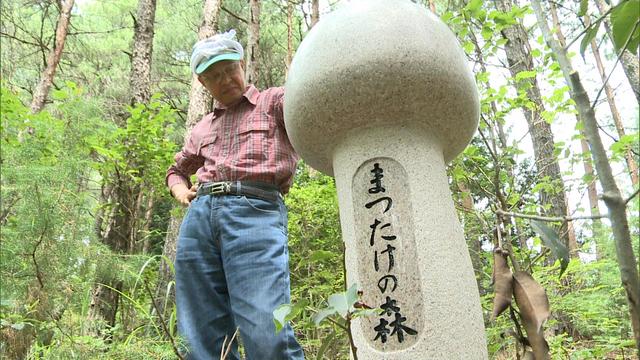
(376, 63)
(380, 96)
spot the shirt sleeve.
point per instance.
(187, 162)
(278, 105)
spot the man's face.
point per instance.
(225, 81)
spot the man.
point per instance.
(231, 265)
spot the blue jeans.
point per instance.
(232, 271)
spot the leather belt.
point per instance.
(247, 188)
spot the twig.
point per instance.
(562, 218)
(539, 256)
(224, 352)
(164, 326)
(550, 218)
(624, 48)
(354, 349)
(233, 15)
(521, 336)
(35, 262)
(328, 319)
(597, 21)
(491, 152)
(7, 210)
(499, 232)
(20, 40)
(40, 239)
(635, 193)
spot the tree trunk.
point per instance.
(591, 187)
(253, 42)
(630, 62)
(289, 37)
(592, 192)
(143, 25)
(200, 103)
(105, 295)
(519, 57)
(432, 6)
(105, 299)
(148, 219)
(315, 12)
(631, 163)
(498, 140)
(121, 235)
(612, 196)
(588, 167)
(41, 92)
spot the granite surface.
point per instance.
(373, 63)
(380, 96)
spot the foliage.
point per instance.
(141, 150)
(316, 260)
(625, 18)
(592, 304)
(46, 230)
(552, 241)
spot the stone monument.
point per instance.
(380, 96)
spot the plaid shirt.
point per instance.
(246, 142)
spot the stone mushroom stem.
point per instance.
(436, 279)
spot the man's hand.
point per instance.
(183, 194)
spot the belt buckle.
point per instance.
(220, 188)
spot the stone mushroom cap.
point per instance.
(378, 63)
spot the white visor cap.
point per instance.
(207, 52)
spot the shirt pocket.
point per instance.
(254, 138)
(207, 146)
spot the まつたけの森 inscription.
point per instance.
(387, 254)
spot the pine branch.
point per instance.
(233, 15)
(562, 218)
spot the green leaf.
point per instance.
(59, 95)
(584, 6)
(536, 53)
(279, 316)
(482, 76)
(624, 20)
(322, 314)
(590, 35)
(487, 32)
(321, 255)
(474, 7)
(367, 312)
(552, 241)
(468, 47)
(287, 312)
(340, 303)
(352, 295)
(446, 16)
(525, 75)
(18, 326)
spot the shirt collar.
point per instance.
(251, 94)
